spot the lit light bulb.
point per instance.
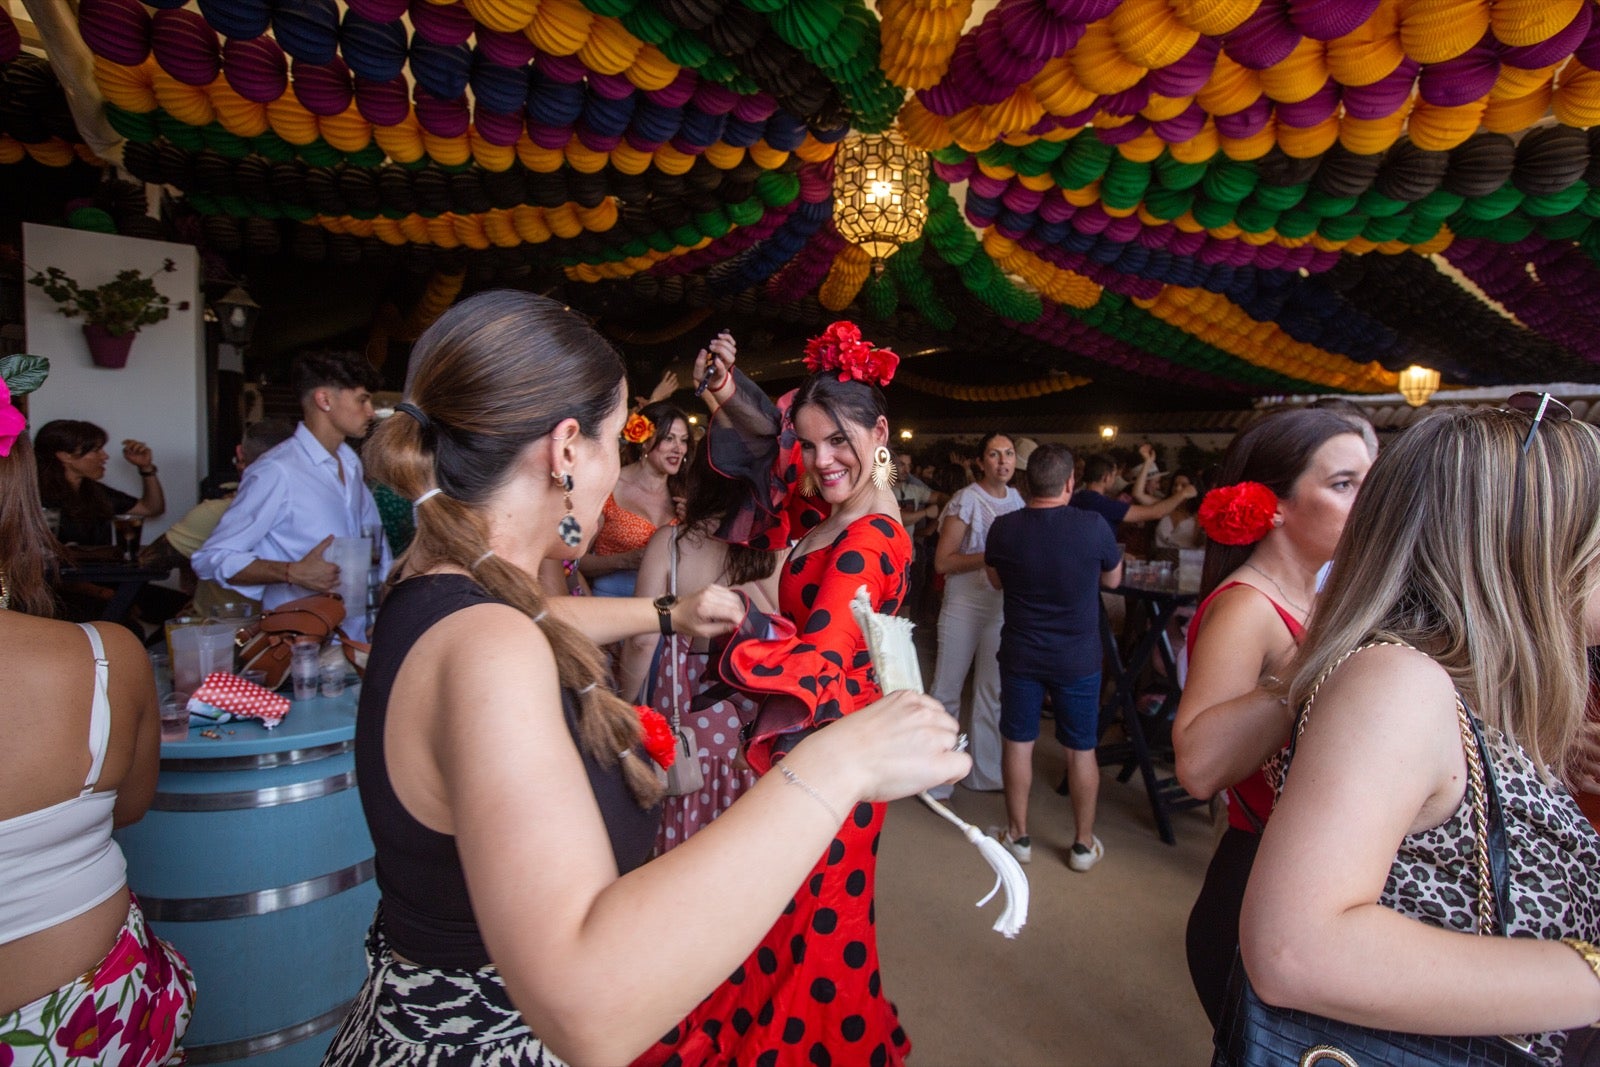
(237, 318)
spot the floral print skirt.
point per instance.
(130, 1011)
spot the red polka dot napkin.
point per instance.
(227, 695)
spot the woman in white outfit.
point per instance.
(969, 621)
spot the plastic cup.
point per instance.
(178, 622)
(333, 680)
(161, 667)
(305, 668)
(175, 716)
(255, 677)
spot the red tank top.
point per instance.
(1253, 796)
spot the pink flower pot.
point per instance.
(107, 349)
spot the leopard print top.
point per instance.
(1555, 866)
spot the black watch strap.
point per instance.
(663, 606)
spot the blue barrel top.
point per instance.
(254, 861)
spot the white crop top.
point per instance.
(60, 861)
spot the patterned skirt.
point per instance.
(130, 1011)
(717, 737)
(408, 1015)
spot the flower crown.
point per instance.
(638, 429)
(19, 374)
(1238, 514)
(841, 348)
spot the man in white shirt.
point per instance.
(293, 501)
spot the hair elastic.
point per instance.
(429, 495)
(479, 561)
(416, 413)
(591, 687)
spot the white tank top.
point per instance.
(60, 861)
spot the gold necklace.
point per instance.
(1303, 611)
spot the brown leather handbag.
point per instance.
(267, 643)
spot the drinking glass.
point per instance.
(306, 669)
(175, 716)
(333, 680)
(130, 528)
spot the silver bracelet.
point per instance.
(794, 779)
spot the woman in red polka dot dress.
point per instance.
(811, 993)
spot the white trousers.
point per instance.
(969, 639)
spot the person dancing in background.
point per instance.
(1286, 485)
(81, 975)
(1454, 622)
(677, 674)
(974, 610)
(484, 708)
(647, 496)
(811, 992)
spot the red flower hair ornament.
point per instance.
(1238, 514)
(657, 739)
(841, 348)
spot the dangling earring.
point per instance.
(808, 483)
(569, 529)
(883, 472)
(5, 592)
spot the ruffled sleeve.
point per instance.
(815, 669)
(752, 442)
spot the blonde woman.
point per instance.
(1473, 557)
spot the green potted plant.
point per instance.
(112, 312)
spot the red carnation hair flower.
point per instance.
(1238, 514)
(841, 348)
(658, 739)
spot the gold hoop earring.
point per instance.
(883, 472)
(569, 529)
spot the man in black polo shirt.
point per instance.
(1051, 561)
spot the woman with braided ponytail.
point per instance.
(510, 796)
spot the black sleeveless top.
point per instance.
(426, 912)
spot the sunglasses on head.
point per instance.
(1542, 406)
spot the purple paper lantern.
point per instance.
(445, 24)
(442, 117)
(1265, 38)
(1189, 74)
(1384, 96)
(679, 92)
(185, 45)
(1461, 80)
(1084, 11)
(506, 49)
(118, 30)
(255, 68)
(496, 128)
(383, 103)
(1031, 31)
(322, 88)
(1323, 20)
(1313, 109)
(378, 10)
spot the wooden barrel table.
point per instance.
(254, 861)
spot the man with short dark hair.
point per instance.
(297, 498)
(1051, 561)
(1100, 474)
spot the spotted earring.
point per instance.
(569, 529)
(883, 472)
(808, 483)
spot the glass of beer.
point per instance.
(129, 530)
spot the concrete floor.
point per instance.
(1098, 975)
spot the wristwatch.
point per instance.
(663, 606)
